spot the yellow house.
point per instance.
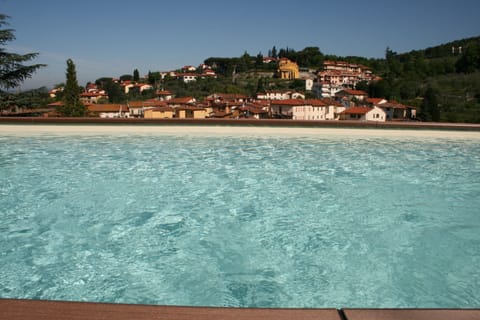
(159, 113)
(288, 69)
(190, 112)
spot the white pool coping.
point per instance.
(25, 130)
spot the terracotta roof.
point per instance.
(253, 109)
(183, 100)
(315, 102)
(155, 101)
(61, 103)
(357, 110)
(332, 102)
(289, 102)
(375, 100)
(392, 105)
(354, 92)
(163, 93)
(262, 102)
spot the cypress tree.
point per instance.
(73, 107)
(136, 75)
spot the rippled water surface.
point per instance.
(241, 221)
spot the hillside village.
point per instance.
(333, 86)
(439, 84)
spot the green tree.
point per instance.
(310, 57)
(362, 85)
(12, 69)
(154, 78)
(259, 60)
(407, 90)
(244, 62)
(470, 60)
(126, 77)
(72, 107)
(274, 52)
(260, 85)
(136, 75)
(395, 68)
(297, 85)
(31, 99)
(429, 107)
(114, 91)
(379, 89)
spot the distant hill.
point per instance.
(445, 50)
(451, 71)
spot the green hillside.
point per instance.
(450, 71)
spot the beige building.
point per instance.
(159, 113)
(288, 70)
(137, 108)
(315, 109)
(190, 112)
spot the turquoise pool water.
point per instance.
(298, 221)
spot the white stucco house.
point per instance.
(284, 108)
(398, 111)
(364, 114)
(187, 77)
(315, 109)
(140, 86)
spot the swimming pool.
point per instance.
(283, 219)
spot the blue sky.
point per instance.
(114, 37)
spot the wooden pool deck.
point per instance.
(13, 309)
